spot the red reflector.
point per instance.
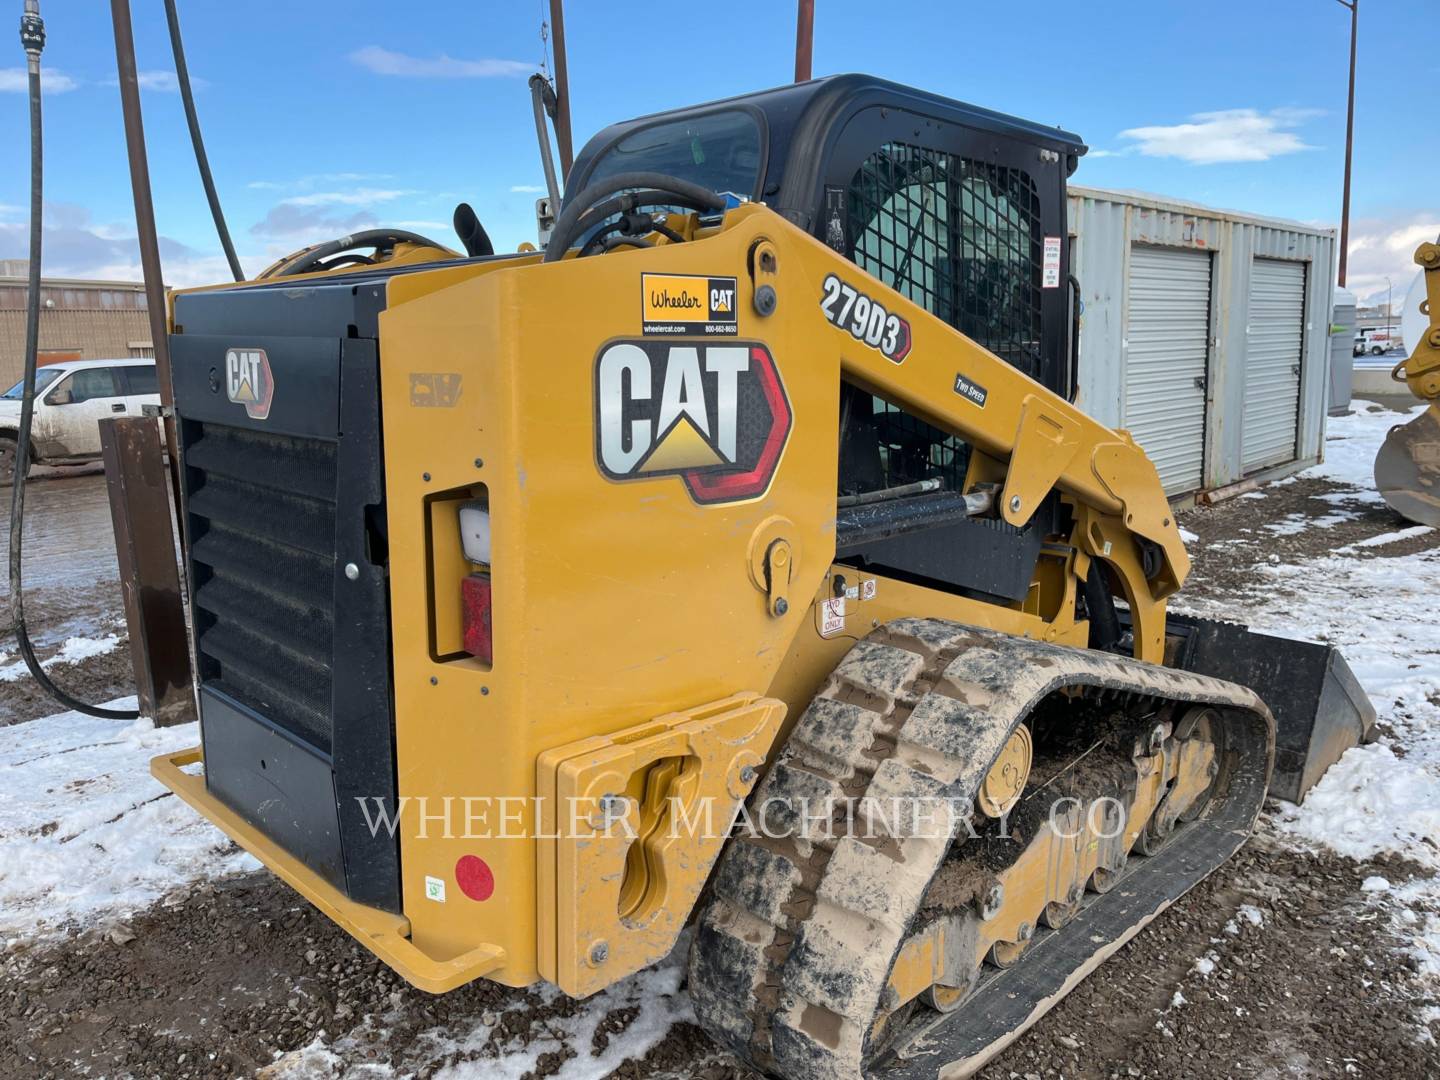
(475, 597)
(475, 878)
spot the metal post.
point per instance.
(804, 39)
(160, 645)
(140, 187)
(562, 89)
(149, 578)
(1354, 6)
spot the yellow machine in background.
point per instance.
(1407, 469)
(517, 579)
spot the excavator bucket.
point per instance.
(1407, 469)
(1319, 706)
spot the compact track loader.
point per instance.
(738, 561)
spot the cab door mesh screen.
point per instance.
(960, 237)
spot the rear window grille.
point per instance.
(262, 511)
(960, 237)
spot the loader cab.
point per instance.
(959, 208)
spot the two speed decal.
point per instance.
(867, 320)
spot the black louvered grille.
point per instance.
(262, 509)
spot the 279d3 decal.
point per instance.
(715, 415)
(867, 319)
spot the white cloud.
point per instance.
(427, 226)
(165, 81)
(306, 183)
(161, 81)
(1385, 247)
(385, 62)
(526, 189)
(1228, 135)
(292, 226)
(17, 81)
(75, 246)
(357, 197)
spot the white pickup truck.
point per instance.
(70, 400)
(1377, 340)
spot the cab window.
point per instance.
(142, 379)
(43, 378)
(84, 385)
(719, 150)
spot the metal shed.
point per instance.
(1205, 333)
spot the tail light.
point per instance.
(475, 596)
(475, 589)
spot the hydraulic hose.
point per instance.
(32, 38)
(202, 161)
(566, 231)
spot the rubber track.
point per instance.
(793, 951)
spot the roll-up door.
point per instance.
(1276, 325)
(1167, 333)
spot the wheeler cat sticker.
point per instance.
(867, 320)
(675, 304)
(248, 381)
(715, 415)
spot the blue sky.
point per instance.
(323, 116)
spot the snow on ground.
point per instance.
(73, 651)
(1380, 612)
(1298, 523)
(86, 835)
(655, 992)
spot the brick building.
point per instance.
(79, 320)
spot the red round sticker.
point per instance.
(475, 878)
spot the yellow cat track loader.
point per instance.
(738, 562)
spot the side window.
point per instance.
(911, 217)
(958, 236)
(83, 385)
(899, 208)
(142, 379)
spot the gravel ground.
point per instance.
(1280, 964)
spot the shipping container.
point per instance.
(1204, 333)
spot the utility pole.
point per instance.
(804, 39)
(1354, 6)
(562, 89)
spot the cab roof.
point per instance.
(801, 119)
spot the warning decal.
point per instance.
(1050, 268)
